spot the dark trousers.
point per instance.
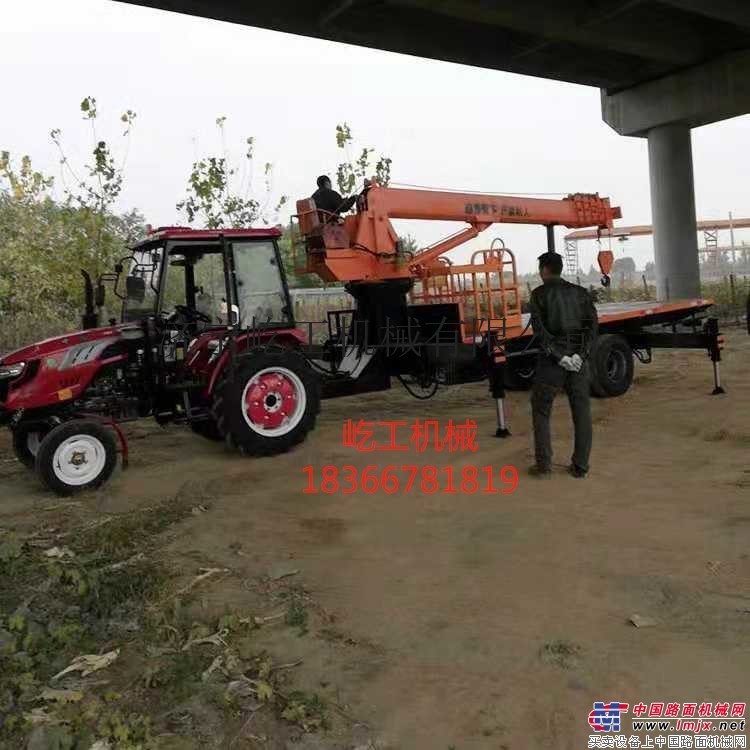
(549, 380)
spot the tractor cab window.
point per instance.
(260, 290)
(195, 279)
(142, 284)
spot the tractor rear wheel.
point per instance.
(75, 456)
(270, 404)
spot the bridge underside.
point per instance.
(611, 44)
(663, 66)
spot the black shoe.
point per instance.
(577, 472)
(539, 472)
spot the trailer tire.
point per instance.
(75, 456)
(255, 403)
(611, 363)
(520, 376)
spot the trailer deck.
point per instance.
(644, 313)
(627, 330)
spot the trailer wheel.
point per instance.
(26, 441)
(75, 456)
(611, 364)
(271, 403)
(520, 376)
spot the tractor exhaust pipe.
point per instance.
(90, 317)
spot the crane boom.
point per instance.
(574, 211)
(365, 246)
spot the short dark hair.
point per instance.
(323, 179)
(551, 260)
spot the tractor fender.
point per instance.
(291, 338)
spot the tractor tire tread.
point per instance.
(239, 436)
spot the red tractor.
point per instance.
(207, 338)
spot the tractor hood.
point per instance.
(60, 343)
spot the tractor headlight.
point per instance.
(8, 372)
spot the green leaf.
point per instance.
(263, 690)
(16, 622)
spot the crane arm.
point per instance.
(364, 247)
(576, 210)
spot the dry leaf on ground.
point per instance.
(88, 663)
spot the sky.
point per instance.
(443, 125)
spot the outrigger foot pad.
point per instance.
(502, 432)
(717, 391)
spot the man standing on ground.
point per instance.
(565, 325)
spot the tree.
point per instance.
(91, 191)
(624, 269)
(221, 193)
(409, 243)
(351, 171)
(45, 242)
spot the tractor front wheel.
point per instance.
(75, 456)
(270, 403)
(26, 440)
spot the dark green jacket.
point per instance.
(564, 319)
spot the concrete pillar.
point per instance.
(670, 158)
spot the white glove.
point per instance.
(577, 362)
(568, 364)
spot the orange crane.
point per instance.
(365, 247)
(423, 317)
(477, 304)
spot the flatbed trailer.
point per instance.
(506, 357)
(628, 330)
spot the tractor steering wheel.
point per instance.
(190, 315)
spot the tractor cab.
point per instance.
(203, 279)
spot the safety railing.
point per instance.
(486, 290)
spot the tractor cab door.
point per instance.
(262, 292)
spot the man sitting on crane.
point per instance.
(565, 323)
(329, 201)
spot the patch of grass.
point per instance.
(721, 435)
(297, 615)
(127, 531)
(561, 653)
(306, 710)
(63, 607)
(111, 589)
(101, 591)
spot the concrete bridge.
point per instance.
(663, 67)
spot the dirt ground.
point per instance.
(482, 621)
